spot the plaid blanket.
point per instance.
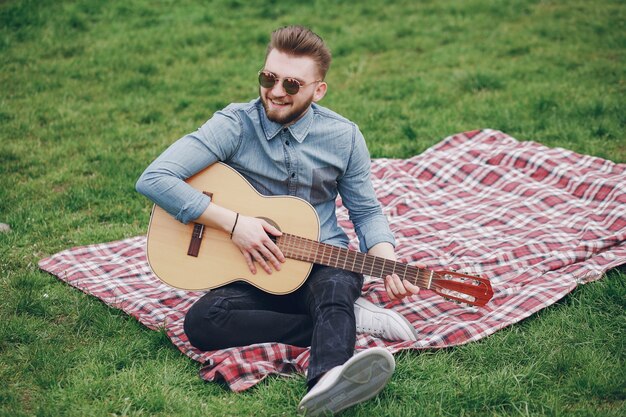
(536, 221)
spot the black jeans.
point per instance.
(319, 314)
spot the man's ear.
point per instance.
(320, 91)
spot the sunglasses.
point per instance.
(291, 85)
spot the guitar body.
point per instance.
(218, 261)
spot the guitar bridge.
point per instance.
(196, 240)
(197, 234)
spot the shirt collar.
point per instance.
(299, 130)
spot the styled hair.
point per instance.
(301, 42)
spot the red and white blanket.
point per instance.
(535, 221)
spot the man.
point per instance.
(284, 143)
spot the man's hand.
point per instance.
(396, 287)
(250, 235)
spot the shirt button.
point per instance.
(285, 130)
(293, 175)
(287, 143)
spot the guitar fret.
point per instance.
(300, 252)
(354, 268)
(357, 267)
(295, 241)
(288, 248)
(282, 245)
(319, 254)
(292, 246)
(324, 255)
(417, 277)
(339, 257)
(413, 274)
(377, 266)
(328, 252)
(308, 246)
(363, 262)
(317, 249)
(389, 269)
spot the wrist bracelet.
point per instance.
(234, 225)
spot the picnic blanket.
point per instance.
(536, 221)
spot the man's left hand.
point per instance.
(397, 288)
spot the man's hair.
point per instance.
(300, 41)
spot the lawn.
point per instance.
(92, 90)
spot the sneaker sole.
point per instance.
(362, 377)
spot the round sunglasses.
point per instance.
(291, 85)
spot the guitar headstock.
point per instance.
(460, 287)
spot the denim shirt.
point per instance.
(320, 156)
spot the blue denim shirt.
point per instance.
(318, 157)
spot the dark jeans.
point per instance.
(319, 314)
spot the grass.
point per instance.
(92, 91)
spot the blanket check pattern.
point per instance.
(536, 221)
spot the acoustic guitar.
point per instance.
(195, 257)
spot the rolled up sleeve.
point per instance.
(359, 197)
(163, 181)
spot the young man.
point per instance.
(283, 143)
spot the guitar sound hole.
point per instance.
(273, 223)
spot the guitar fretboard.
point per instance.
(302, 249)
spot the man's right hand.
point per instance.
(250, 235)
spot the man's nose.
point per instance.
(278, 89)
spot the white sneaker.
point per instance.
(382, 322)
(362, 377)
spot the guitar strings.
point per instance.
(309, 250)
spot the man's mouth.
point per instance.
(279, 103)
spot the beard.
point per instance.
(288, 115)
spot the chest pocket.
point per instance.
(324, 184)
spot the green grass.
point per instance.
(92, 91)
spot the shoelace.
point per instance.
(375, 332)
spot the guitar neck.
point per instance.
(302, 249)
